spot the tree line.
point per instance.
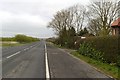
(96, 17)
(78, 20)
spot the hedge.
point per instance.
(106, 49)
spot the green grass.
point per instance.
(10, 45)
(104, 67)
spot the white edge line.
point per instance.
(13, 54)
(46, 64)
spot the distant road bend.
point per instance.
(42, 60)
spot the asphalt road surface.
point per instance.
(29, 61)
(24, 61)
(63, 65)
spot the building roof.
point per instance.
(116, 23)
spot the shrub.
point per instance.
(87, 50)
(25, 39)
(106, 47)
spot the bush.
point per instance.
(104, 48)
(25, 39)
(87, 50)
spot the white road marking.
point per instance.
(13, 54)
(17, 53)
(27, 48)
(46, 64)
(24, 49)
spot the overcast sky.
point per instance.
(30, 17)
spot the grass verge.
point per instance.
(10, 45)
(104, 67)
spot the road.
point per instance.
(24, 61)
(29, 61)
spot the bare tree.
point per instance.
(104, 13)
(94, 26)
(60, 21)
(71, 17)
(119, 10)
(78, 14)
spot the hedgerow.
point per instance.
(105, 49)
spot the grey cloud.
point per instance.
(26, 28)
(30, 16)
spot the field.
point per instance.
(9, 43)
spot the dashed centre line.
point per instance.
(24, 49)
(13, 54)
(27, 48)
(18, 52)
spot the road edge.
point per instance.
(86, 63)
